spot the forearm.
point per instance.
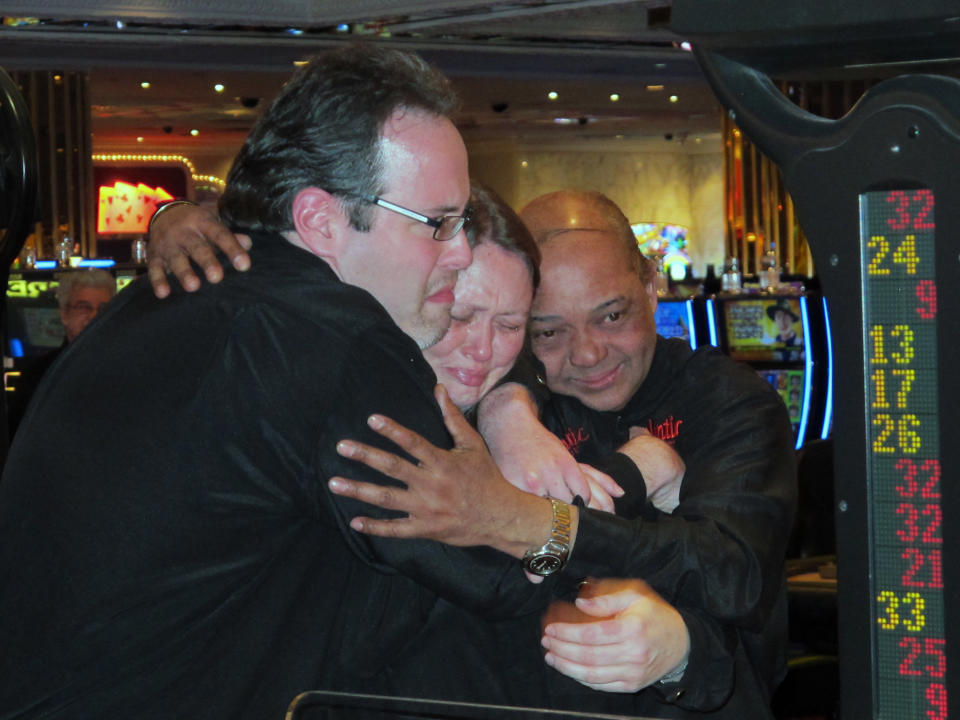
(524, 522)
(455, 497)
(692, 561)
(532, 458)
(510, 402)
(722, 548)
(485, 575)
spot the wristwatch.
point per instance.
(553, 554)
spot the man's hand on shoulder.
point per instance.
(189, 232)
(456, 496)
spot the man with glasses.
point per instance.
(168, 544)
(82, 294)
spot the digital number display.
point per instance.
(903, 455)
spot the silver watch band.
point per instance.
(674, 675)
(552, 555)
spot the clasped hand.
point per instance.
(619, 636)
(532, 458)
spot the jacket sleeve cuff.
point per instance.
(628, 476)
(707, 682)
(599, 547)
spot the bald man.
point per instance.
(719, 554)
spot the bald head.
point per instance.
(557, 213)
(592, 323)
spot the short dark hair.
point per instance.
(492, 220)
(324, 130)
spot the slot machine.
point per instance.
(772, 334)
(675, 318)
(33, 324)
(877, 195)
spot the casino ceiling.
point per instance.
(616, 68)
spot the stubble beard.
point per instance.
(429, 335)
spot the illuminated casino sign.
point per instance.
(903, 453)
(127, 208)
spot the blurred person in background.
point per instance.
(81, 294)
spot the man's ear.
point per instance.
(318, 218)
(651, 290)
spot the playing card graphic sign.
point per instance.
(126, 208)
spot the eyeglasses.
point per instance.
(445, 227)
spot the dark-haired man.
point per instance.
(176, 553)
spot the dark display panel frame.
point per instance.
(898, 136)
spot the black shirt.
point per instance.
(718, 558)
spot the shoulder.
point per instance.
(295, 290)
(288, 316)
(712, 382)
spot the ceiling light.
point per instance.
(145, 85)
(219, 87)
(674, 98)
(301, 63)
(654, 88)
(552, 95)
(660, 66)
(194, 132)
(140, 138)
(614, 97)
(523, 163)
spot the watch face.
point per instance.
(544, 564)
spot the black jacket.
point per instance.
(718, 558)
(168, 546)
